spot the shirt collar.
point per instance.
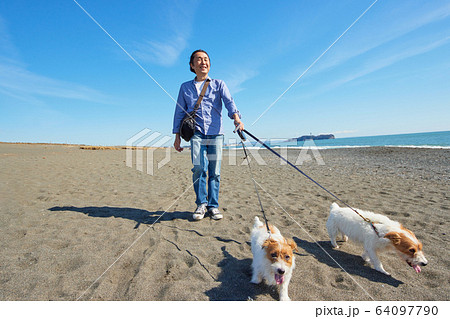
(208, 78)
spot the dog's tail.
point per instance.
(334, 206)
(257, 223)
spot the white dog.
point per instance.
(391, 234)
(273, 257)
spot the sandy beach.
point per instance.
(79, 224)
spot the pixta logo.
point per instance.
(143, 144)
(255, 151)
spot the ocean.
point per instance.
(439, 140)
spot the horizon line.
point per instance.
(124, 146)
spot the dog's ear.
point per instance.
(393, 237)
(266, 243)
(293, 244)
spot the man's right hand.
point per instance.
(177, 143)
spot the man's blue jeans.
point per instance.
(206, 155)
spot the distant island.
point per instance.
(315, 137)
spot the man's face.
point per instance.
(200, 63)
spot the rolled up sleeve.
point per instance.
(228, 101)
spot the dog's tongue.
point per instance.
(417, 268)
(279, 279)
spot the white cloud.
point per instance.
(378, 63)
(16, 81)
(389, 37)
(165, 44)
(236, 79)
(165, 53)
(391, 26)
(385, 25)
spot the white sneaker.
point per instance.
(199, 212)
(215, 213)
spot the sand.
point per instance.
(80, 225)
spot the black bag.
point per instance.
(187, 127)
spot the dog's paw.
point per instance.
(345, 238)
(285, 298)
(255, 281)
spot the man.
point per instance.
(207, 142)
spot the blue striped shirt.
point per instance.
(209, 114)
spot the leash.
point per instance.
(241, 135)
(304, 174)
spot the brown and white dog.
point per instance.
(391, 234)
(273, 257)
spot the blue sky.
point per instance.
(64, 80)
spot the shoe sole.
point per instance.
(198, 216)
